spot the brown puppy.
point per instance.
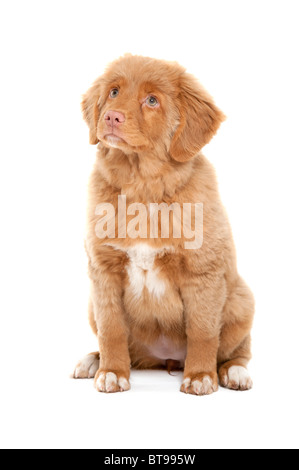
(155, 300)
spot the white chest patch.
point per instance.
(142, 273)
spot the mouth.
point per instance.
(114, 140)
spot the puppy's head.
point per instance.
(140, 103)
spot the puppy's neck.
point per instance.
(146, 176)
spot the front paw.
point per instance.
(111, 382)
(200, 384)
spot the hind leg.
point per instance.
(87, 367)
(235, 342)
(233, 373)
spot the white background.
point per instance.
(246, 54)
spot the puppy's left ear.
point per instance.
(91, 111)
(200, 119)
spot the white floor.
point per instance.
(58, 412)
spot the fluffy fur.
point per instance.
(192, 310)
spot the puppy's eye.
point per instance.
(114, 92)
(151, 101)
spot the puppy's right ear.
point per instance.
(91, 111)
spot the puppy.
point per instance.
(160, 298)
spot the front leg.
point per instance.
(204, 298)
(114, 372)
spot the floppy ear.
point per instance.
(200, 119)
(91, 111)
